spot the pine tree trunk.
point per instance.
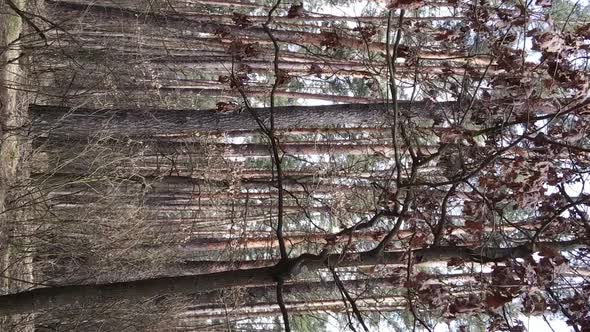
(82, 122)
(46, 298)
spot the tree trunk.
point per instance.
(105, 12)
(82, 122)
(88, 295)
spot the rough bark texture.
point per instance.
(88, 295)
(82, 122)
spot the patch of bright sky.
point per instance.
(353, 9)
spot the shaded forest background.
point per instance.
(234, 165)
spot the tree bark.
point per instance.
(82, 122)
(106, 12)
(88, 295)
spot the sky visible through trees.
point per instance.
(254, 165)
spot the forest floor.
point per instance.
(14, 148)
(11, 113)
(16, 267)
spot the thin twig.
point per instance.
(443, 216)
(349, 298)
(274, 141)
(281, 302)
(563, 309)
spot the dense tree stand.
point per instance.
(225, 165)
